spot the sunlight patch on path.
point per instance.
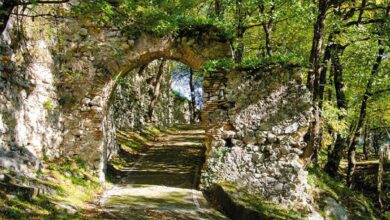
(161, 184)
(169, 202)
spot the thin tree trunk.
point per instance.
(361, 12)
(324, 69)
(375, 143)
(313, 80)
(267, 30)
(156, 91)
(362, 115)
(218, 8)
(267, 27)
(366, 142)
(334, 158)
(380, 178)
(316, 49)
(330, 90)
(384, 155)
(193, 103)
(240, 30)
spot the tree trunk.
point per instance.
(5, 13)
(240, 30)
(362, 115)
(366, 142)
(363, 5)
(330, 90)
(218, 8)
(267, 30)
(316, 48)
(193, 101)
(375, 143)
(156, 91)
(267, 27)
(313, 80)
(384, 154)
(334, 158)
(324, 69)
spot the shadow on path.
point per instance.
(161, 182)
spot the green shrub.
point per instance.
(48, 104)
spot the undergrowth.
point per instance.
(285, 60)
(267, 209)
(70, 188)
(358, 205)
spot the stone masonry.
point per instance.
(56, 100)
(255, 122)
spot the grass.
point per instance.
(77, 184)
(133, 144)
(358, 205)
(71, 185)
(267, 208)
(136, 139)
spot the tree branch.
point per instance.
(38, 15)
(369, 21)
(265, 23)
(40, 2)
(361, 11)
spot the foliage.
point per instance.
(218, 65)
(218, 153)
(179, 96)
(267, 209)
(359, 206)
(254, 63)
(156, 17)
(331, 121)
(48, 104)
(280, 59)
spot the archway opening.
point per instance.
(155, 113)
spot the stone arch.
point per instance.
(89, 132)
(268, 108)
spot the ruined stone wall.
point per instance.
(54, 95)
(56, 100)
(30, 119)
(255, 126)
(93, 59)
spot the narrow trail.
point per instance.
(162, 183)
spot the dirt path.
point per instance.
(162, 183)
